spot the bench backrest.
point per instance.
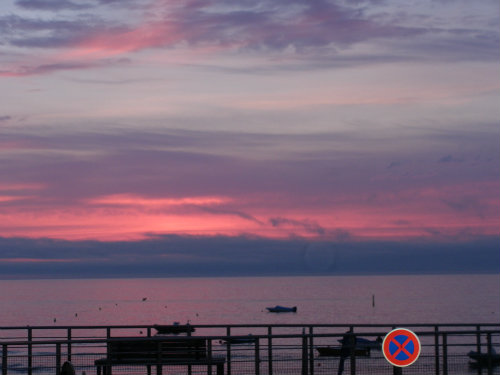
(122, 349)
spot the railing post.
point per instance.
(490, 354)
(269, 350)
(69, 344)
(190, 368)
(228, 350)
(209, 350)
(478, 339)
(445, 354)
(436, 349)
(478, 346)
(58, 358)
(30, 350)
(257, 357)
(304, 354)
(311, 351)
(352, 345)
(4, 359)
(159, 367)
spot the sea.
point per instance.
(382, 299)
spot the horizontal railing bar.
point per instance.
(222, 337)
(307, 325)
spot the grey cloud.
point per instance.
(5, 118)
(233, 212)
(57, 5)
(394, 164)
(402, 222)
(49, 68)
(51, 5)
(471, 204)
(450, 159)
(307, 225)
(169, 255)
(312, 24)
(15, 25)
(54, 32)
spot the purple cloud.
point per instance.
(182, 163)
(316, 34)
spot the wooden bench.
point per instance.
(158, 351)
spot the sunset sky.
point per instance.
(249, 127)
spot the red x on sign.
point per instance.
(401, 347)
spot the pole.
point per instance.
(270, 350)
(30, 350)
(490, 354)
(352, 346)
(4, 359)
(69, 344)
(58, 359)
(228, 350)
(445, 354)
(304, 354)
(436, 349)
(311, 351)
(257, 357)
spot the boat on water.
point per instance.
(362, 343)
(336, 351)
(484, 359)
(280, 309)
(249, 339)
(174, 329)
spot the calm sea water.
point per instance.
(336, 299)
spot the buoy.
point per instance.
(373, 300)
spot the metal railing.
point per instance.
(272, 350)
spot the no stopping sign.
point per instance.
(401, 347)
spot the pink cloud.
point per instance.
(135, 200)
(132, 217)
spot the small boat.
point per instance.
(174, 329)
(362, 343)
(483, 359)
(279, 309)
(328, 351)
(238, 340)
